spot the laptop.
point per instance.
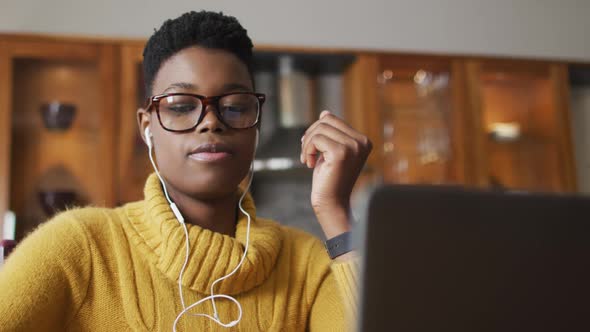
(450, 259)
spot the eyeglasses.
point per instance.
(182, 112)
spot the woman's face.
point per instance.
(203, 175)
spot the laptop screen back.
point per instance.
(447, 259)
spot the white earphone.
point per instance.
(175, 210)
(180, 218)
(148, 137)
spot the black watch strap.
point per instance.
(339, 245)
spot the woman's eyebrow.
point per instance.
(181, 85)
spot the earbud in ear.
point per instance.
(148, 137)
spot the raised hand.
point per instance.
(337, 153)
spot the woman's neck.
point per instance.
(218, 215)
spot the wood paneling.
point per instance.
(133, 162)
(478, 157)
(54, 50)
(560, 81)
(460, 125)
(362, 104)
(109, 132)
(5, 130)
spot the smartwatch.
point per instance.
(339, 245)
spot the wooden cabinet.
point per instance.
(420, 110)
(448, 120)
(39, 162)
(433, 119)
(413, 109)
(522, 125)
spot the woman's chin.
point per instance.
(210, 187)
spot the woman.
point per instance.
(192, 255)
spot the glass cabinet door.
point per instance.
(58, 117)
(524, 126)
(417, 108)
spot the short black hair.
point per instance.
(205, 29)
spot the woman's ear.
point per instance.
(143, 122)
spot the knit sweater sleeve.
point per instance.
(346, 275)
(335, 304)
(45, 279)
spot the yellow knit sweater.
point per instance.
(97, 269)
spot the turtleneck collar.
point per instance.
(212, 255)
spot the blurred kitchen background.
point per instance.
(488, 94)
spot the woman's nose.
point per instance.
(210, 121)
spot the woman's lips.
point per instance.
(211, 151)
(209, 156)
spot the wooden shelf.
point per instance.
(38, 72)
